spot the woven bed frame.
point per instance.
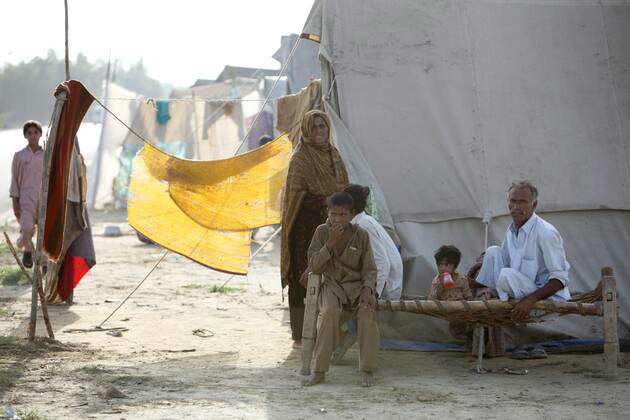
(602, 301)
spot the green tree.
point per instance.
(26, 88)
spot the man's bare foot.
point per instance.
(297, 344)
(367, 379)
(314, 379)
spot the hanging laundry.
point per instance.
(163, 114)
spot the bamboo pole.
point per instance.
(65, 3)
(444, 308)
(611, 338)
(40, 289)
(37, 270)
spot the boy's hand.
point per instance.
(336, 233)
(17, 213)
(367, 300)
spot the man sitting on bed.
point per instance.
(530, 265)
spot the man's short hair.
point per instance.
(359, 195)
(31, 123)
(518, 185)
(341, 199)
(448, 253)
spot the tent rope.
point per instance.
(134, 290)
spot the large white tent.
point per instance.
(440, 105)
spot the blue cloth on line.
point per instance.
(163, 114)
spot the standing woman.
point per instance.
(315, 172)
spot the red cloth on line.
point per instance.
(72, 114)
(71, 272)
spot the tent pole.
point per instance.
(41, 220)
(65, 3)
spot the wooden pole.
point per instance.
(37, 270)
(611, 338)
(40, 289)
(309, 328)
(65, 3)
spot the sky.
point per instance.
(179, 41)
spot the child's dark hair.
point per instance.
(341, 199)
(359, 195)
(31, 123)
(448, 253)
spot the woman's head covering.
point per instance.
(306, 129)
(315, 169)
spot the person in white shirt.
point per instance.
(530, 265)
(389, 266)
(388, 261)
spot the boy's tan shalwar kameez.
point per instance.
(343, 278)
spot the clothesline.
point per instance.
(206, 100)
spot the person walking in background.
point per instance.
(26, 183)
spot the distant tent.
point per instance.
(440, 105)
(105, 165)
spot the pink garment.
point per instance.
(26, 185)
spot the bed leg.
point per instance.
(478, 342)
(611, 338)
(309, 329)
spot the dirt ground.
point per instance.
(188, 351)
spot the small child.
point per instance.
(447, 259)
(26, 183)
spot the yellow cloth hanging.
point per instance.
(204, 210)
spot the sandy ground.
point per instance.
(245, 367)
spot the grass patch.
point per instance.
(4, 248)
(21, 347)
(12, 275)
(4, 312)
(224, 289)
(10, 375)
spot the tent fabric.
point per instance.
(74, 109)
(104, 168)
(204, 210)
(444, 104)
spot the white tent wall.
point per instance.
(104, 168)
(444, 103)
